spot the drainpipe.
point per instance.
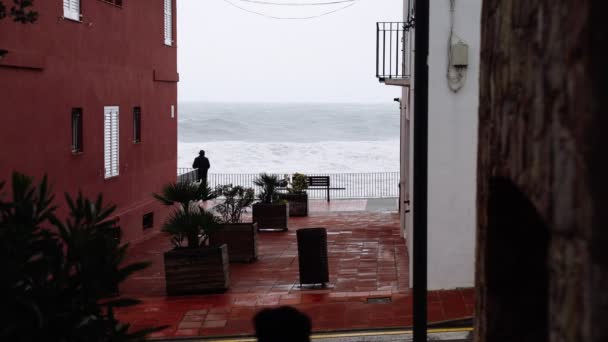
(401, 163)
(421, 74)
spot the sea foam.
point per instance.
(287, 157)
(290, 137)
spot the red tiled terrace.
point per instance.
(368, 259)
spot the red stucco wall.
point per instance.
(108, 59)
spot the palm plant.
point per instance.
(189, 223)
(269, 184)
(184, 193)
(236, 201)
(57, 284)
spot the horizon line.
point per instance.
(286, 101)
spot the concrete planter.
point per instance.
(241, 239)
(271, 216)
(197, 270)
(298, 203)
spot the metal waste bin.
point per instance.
(312, 256)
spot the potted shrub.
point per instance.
(241, 238)
(270, 213)
(192, 266)
(296, 195)
(60, 275)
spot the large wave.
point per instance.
(290, 137)
(288, 157)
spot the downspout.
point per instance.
(420, 169)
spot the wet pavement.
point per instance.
(368, 289)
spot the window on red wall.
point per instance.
(71, 9)
(136, 125)
(148, 221)
(77, 130)
(114, 2)
(168, 22)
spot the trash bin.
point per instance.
(312, 256)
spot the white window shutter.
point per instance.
(111, 141)
(71, 9)
(107, 142)
(168, 23)
(115, 143)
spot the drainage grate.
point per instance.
(379, 300)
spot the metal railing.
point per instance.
(357, 185)
(393, 50)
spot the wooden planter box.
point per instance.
(298, 203)
(241, 239)
(271, 216)
(197, 270)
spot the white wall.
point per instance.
(452, 150)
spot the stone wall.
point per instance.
(543, 123)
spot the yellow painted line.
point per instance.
(235, 340)
(389, 332)
(447, 330)
(360, 334)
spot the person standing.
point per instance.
(201, 163)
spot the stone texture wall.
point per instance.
(543, 124)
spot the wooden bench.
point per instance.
(320, 182)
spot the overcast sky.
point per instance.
(226, 54)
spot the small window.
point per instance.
(148, 221)
(114, 2)
(168, 22)
(111, 141)
(114, 233)
(76, 130)
(71, 9)
(136, 125)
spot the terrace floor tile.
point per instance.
(367, 258)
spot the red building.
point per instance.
(89, 97)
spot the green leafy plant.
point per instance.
(20, 11)
(298, 184)
(268, 184)
(236, 201)
(184, 193)
(189, 224)
(59, 276)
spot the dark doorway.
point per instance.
(516, 266)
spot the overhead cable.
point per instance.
(298, 3)
(290, 18)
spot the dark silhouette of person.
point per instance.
(201, 163)
(283, 324)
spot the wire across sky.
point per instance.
(262, 3)
(298, 3)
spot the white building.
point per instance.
(453, 102)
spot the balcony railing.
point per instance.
(357, 185)
(393, 51)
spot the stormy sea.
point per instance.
(290, 137)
